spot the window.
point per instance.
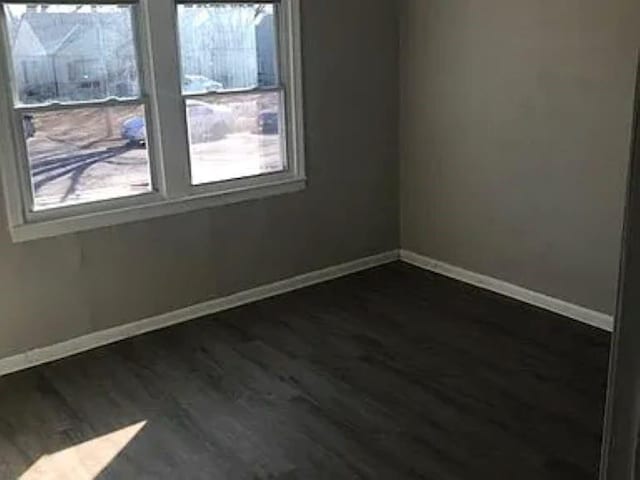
(232, 91)
(75, 154)
(124, 110)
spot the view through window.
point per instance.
(70, 55)
(229, 52)
(127, 109)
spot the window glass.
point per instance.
(234, 136)
(67, 53)
(227, 46)
(86, 155)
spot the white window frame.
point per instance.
(159, 71)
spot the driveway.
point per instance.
(64, 174)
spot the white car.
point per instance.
(200, 84)
(206, 123)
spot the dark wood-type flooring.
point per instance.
(391, 373)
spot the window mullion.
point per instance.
(169, 119)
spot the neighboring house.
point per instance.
(84, 55)
(267, 61)
(73, 56)
(225, 44)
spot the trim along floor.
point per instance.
(392, 372)
(101, 338)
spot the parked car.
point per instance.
(200, 84)
(268, 122)
(28, 126)
(206, 123)
(134, 130)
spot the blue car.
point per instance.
(134, 130)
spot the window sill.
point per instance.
(137, 212)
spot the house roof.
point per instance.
(53, 29)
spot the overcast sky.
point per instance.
(17, 9)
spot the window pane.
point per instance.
(227, 46)
(85, 155)
(234, 136)
(72, 52)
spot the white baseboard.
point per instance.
(104, 337)
(576, 312)
(94, 340)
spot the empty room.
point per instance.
(319, 239)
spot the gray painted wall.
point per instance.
(515, 131)
(55, 289)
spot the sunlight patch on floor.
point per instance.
(84, 461)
